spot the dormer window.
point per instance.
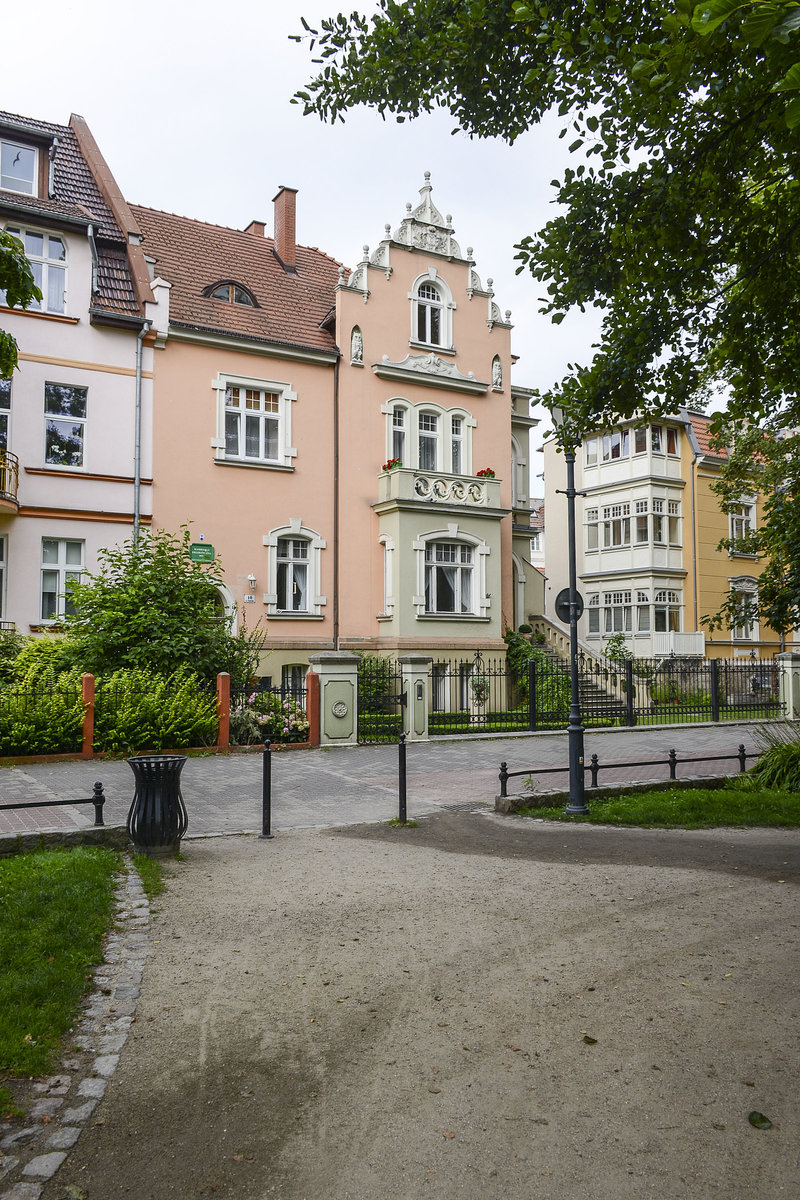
(231, 293)
(17, 168)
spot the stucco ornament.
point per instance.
(454, 490)
(425, 228)
(339, 709)
(497, 372)
(356, 346)
(429, 364)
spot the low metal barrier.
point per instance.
(594, 766)
(98, 800)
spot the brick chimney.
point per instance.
(257, 229)
(285, 245)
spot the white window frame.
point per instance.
(388, 544)
(63, 570)
(429, 439)
(315, 602)
(741, 521)
(593, 613)
(3, 569)
(744, 585)
(285, 453)
(617, 526)
(49, 273)
(667, 611)
(5, 414)
(78, 423)
(591, 449)
(6, 181)
(444, 437)
(617, 612)
(480, 600)
(592, 529)
(616, 445)
(443, 304)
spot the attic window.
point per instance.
(231, 293)
(17, 167)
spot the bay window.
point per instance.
(428, 441)
(616, 525)
(617, 611)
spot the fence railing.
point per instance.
(97, 798)
(594, 766)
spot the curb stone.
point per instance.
(31, 1155)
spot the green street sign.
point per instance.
(201, 552)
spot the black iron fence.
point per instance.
(655, 691)
(381, 699)
(489, 695)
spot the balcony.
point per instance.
(438, 487)
(679, 644)
(9, 481)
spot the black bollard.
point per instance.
(401, 816)
(266, 793)
(98, 800)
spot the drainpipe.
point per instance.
(694, 540)
(137, 443)
(93, 248)
(336, 504)
(51, 174)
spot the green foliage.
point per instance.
(264, 716)
(57, 906)
(764, 461)
(552, 685)
(40, 658)
(42, 714)
(16, 280)
(376, 681)
(11, 644)
(688, 808)
(679, 219)
(779, 764)
(139, 710)
(151, 607)
(616, 648)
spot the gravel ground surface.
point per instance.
(479, 1007)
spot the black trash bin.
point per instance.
(157, 818)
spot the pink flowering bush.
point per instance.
(264, 716)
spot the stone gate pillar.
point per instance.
(338, 696)
(416, 681)
(789, 684)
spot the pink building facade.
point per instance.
(284, 384)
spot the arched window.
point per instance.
(431, 311)
(428, 437)
(295, 561)
(451, 574)
(231, 292)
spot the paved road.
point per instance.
(351, 785)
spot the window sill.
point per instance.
(295, 616)
(252, 466)
(432, 346)
(41, 316)
(452, 617)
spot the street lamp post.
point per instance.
(577, 800)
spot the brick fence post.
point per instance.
(312, 707)
(87, 696)
(224, 710)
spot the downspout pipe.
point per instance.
(137, 439)
(694, 537)
(95, 261)
(336, 504)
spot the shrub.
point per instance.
(40, 658)
(139, 710)
(779, 765)
(43, 714)
(266, 717)
(524, 628)
(11, 643)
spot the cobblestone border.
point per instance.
(32, 1155)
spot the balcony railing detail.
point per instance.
(9, 478)
(406, 483)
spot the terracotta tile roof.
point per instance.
(77, 195)
(114, 284)
(192, 255)
(73, 183)
(537, 513)
(701, 427)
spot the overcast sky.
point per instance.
(190, 107)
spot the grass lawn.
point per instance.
(740, 804)
(55, 909)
